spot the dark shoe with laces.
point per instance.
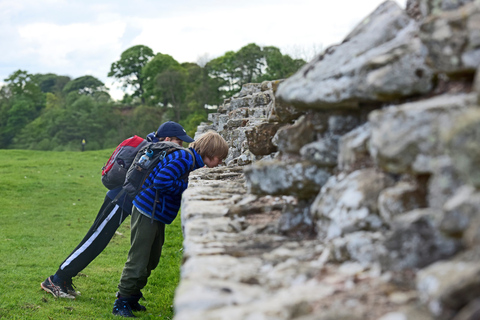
(71, 288)
(57, 289)
(133, 301)
(135, 306)
(122, 308)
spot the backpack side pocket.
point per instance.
(115, 177)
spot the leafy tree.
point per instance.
(249, 63)
(171, 86)
(140, 121)
(279, 66)
(223, 69)
(18, 116)
(159, 64)
(63, 128)
(147, 119)
(39, 134)
(21, 102)
(192, 121)
(86, 85)
(51, 82)
(129, 69)
(53, 101)
(234, 69)
(5, 95)
(21, 83)
(201, 89)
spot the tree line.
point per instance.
(55, 112)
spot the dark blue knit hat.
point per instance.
(173, 129)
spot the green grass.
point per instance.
(48, 201)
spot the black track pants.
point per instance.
(101, 232)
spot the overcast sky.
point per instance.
(77, 38)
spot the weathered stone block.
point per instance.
(323, 152)
(348, 203)
(290, 138)
(416, 242)
(301, 179)
(361, 246)
(453, 39)
(353, 149)
(260, 138)
(221, 122)
(253, 100)
(249, 89)
(464, 148)
(407, 138)
(400, 198)
(443, 183)
(447, 286)
(436, 7)
(296, 220)
(476, 85)
(461, 216)
(285, 113)
(341, 123)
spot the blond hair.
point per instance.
(210, 144)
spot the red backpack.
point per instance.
(115, 170)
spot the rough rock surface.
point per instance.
(453, 39)
(352, 188)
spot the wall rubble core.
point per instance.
(352, 188)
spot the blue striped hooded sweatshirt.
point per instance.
(166, 180)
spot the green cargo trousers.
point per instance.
(146, 241)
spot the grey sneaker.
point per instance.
(58, 290)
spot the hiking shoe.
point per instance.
(133, 301)
(71, 288)
(122, 308)
(58, 290)
(135, 306)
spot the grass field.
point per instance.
(48, 201)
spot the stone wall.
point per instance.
(351, 189)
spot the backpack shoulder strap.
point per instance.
(175, 148)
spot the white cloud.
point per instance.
(57, 45)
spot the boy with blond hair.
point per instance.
(165, 186)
